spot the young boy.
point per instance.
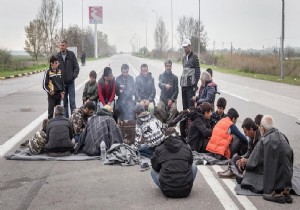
(219, 114)
(90, 92)
(54, 86)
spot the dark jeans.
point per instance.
(52, 102)
(69, 95)
(155, 175)
(187, 102)
(146, 151)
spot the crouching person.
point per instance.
(59, 134)
(173, 170)
(37, 143)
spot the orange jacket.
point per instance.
(220, 139)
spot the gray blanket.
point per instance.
(208, 158)
(122, 154)
(25, 154)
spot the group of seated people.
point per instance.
(261, 158)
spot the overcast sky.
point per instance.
(245, 23)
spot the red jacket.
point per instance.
(220, 139)
(101, 91)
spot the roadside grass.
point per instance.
(7, 73)
(286, 80)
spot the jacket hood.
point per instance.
(104, 112)
(173, 144)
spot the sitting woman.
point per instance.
(209, 90)
(107, 88)
(200, 130)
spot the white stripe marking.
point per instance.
(240, 97)
(10, 143)
(245, 202)
(217, 188)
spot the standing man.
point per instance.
(168, 83)
(189, 79)
(69, 66)
(125, 92)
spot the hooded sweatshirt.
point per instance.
(173, 160)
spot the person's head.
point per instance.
(139, 108)
(58, 110)
(221, 105)
(206, 109)
(205, 77)
(168, 65)
(144, 70)
(124, 70)
(186, 44)
(89, 108)
(93, 76)
(257, 119)
(266, 124)
(53, 62)
(108, 108)
(45, 122)
(210, 71)
(233, 115)
(63, 46)
(249, 127)
(171, 132)
(107, 74)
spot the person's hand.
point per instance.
(170, 102)
(122, 87)
(51, 92)
(241, 162)
(62, 95)
(194, 98)
(109, 104)
(168, 86)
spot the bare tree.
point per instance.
(161, 36)
(34, 38)
(188, 28)
(49, 13)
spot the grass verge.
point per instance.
(7, 73)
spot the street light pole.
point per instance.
(62, 19)
(172, 27)
(199, 35)
(146, 32)
(82, 44)
(282, 42)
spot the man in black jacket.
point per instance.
(59, 134)
(70, 69)
(168, 83)
(189, 80)
(173, 169)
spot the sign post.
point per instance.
(96, 17)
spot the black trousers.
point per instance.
(52, 102)
(187, 102)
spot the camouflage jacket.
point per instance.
(37, 143)
(78, 121)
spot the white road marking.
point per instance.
(217, 188)
(244, 201)
(234, 95)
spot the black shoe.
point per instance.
(286, 194)
(144, 167)
(274, 197)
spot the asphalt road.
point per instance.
(90, 185)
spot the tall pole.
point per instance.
(172, 27)
(82, 44)
(62, 19)
(96, 42)
(199, 35)
(282, 42)
(146, 32)
(155, 15)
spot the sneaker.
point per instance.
(274, 197)
(144, 167)
(228, 174)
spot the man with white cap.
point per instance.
(189, 79)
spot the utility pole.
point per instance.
(199, 35)
(214, 52)
(282, 42)
(231, 48)
(172, 27)
(62, 19)
(82, 44)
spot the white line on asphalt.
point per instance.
(10, 143)
(245, 202)
(240, 97)
(217, 188)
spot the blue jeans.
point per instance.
(69, 94)
(77, 137)
(155, 175)
(146, 151)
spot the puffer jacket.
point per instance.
(173, 160)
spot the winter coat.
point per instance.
(191, 61)
(90, 92)
(221, 139)
(128, 92)
(100, 127)
(69, 67)
(173, 160)
(78, 121)
(270, 166)
(208, 93)
(172, 93)
(144, 88)
(148, 128)
(215, 118)
(37, 143)
(199, 133)
(101, 91)
(53, 81)
(59, 135)
(252, 143)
